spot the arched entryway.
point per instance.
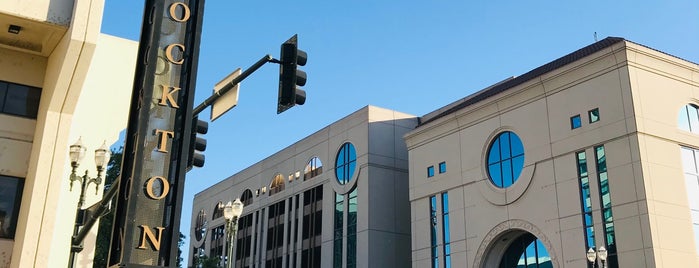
(515, 244)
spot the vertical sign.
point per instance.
(148, 209)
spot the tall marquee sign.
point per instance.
(148, 209)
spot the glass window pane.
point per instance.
(531, 253)
(575, 122)
(542, 254)
(693, 118)
(683, 118)
(593, 115)
(350, 170)
(352, 152)
(22, 100)
(430, 171)
(442, 167)
(495, 175)
(340, 173)
(3, 92)
(516, 145)
(507, 173)
(688, 161)
(517, 165)
(340, 157)
(505, 145)
(10, 199)
(692, 184)
(494, 154)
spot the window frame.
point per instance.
(442, 167)
(10, 226)
(575, 119)
(31, 99)
(500, 155)
(345, 163)
(590, 114)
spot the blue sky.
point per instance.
(410, 56)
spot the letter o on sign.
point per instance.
(185, 12)
(161, 188)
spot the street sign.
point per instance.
(229, 99)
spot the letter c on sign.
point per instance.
(163, 191)
(168, 53)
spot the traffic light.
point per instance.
(290, 76)
(197, 145)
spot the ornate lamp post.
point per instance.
(591, 256)
(77, 153)
(231, 212)
(601, 254)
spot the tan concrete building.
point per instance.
(596, 149)
(60, 79)
(337, 198)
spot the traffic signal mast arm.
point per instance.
(211, 99)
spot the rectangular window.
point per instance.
(352, 229)
(337, 240)
(585, 201)
(446, 233)
(575, 122)
(593, 115)
(10, 199)
(19, 100)
(606, 202)
(433, 232)
(430, 171)
(690, 161)
(312, 227)
(442, 167)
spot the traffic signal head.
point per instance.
(290, 77)
(197, 144)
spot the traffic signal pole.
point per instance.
(211, 99)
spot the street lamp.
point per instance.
(601, 253)
(591, 256)
(77, 153)
(232, 212)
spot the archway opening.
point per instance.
(518, 249)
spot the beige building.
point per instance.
(596, 149)
(60, 79)
(337, 198)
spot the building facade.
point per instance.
(337, 198)
(596, 149)
(60, 79)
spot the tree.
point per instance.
(180, 243)
(104, 231)
(208, 262)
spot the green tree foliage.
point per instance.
(104, 230)
(180, 243)
(208, 262)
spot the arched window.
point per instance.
(218, 211)
(345, 163)
(313, 168)
(200, 226)
(689, 118)
(246, 197)
(277, 184)
(505, 159)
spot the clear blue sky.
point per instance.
(410, 56)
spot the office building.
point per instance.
(599, 148)
(60, 79)
(337, 198)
